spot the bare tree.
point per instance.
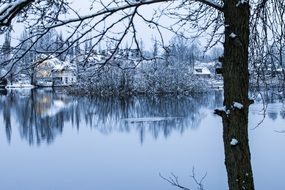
(238, 24)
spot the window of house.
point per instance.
(198, 70)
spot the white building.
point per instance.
(64, 75)
(50, 71)
(202, 72)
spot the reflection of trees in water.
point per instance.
(7, 118)
(41, 114)
(175, 113)
(272, 100)
(28, 110)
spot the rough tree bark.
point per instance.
(236, 85)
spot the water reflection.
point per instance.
(268, 103)
(42, 114)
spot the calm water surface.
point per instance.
(49, 140)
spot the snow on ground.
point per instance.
(19, 85)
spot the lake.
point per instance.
(50, 140)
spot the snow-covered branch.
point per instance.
(213, 4)
(10, 11)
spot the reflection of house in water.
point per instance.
(40, 113)
(49, 104)
(43, 102)
(49, 116)
(50, 71)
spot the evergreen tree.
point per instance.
(6, 48)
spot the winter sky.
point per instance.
(146, 34)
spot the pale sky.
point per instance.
(144, 32)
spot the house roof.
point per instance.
(201, 71)
(56, 65)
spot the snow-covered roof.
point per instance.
(55, 64)
(59, 67)
(48, 60)
(201, 71)
(64, 66)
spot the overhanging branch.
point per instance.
(11, 10)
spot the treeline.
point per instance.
(268, 69)
(166, 71)
(18, 62)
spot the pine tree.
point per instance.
(6, 48)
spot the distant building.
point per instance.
(203, 72)
(64, 75)
(123, 58)
(50, 71)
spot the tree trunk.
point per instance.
(235, 64)
(237, 154)
(236, 85)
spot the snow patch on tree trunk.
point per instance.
(234, 142)
(237, 105)
(233, 35)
